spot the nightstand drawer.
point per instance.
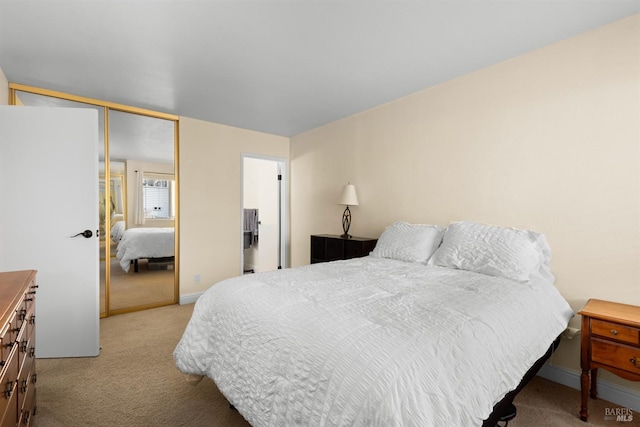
(615, 331)
(617, 355)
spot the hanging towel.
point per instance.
(251, 222)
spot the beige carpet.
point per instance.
(134, 383)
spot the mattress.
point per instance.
(369, 342)
(145, 243)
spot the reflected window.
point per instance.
(159, 197)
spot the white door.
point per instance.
(48, 193)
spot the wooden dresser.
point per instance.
(17, 347)
(610, 340)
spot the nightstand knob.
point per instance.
(614, 332)
(635, 361)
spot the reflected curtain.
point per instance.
(138, 202)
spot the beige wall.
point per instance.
(4, 89)
(547, 141)
(210, 198)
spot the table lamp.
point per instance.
(347, 198)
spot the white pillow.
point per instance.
(496, 251)
(408, 242)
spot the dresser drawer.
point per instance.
(615, 331)
(25, 390)
(10, 417)
(617, 355)
(17, 348)
(8, 338)
(5, 347)
(8, 387)
(29, 408)
(12, 334)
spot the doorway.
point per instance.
(263, 218)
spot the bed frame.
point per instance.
(505, 410)
(168, 259)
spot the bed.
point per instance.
(436, 327)
(152, 243)
(117, 231)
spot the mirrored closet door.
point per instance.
(142, 237)
(138, 201)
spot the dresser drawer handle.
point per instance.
(635, 361)
(614, 332)
(8, 390)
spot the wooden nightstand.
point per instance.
(329, 247)
(610, 340)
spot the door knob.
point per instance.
(85, 233)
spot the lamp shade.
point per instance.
(348, 196)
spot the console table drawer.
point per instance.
(615, 331)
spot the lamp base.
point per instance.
(346, 236)
(346, 222)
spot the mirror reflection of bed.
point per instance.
(142, 244)
(142, 270)
(141, 235)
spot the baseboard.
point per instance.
(189, 298)
(614, 393)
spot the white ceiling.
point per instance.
(281, 67)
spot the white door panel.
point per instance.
(49, 192)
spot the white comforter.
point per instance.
(117, 231)
(145, 243)
(369, 342)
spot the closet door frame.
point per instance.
(109, 106)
